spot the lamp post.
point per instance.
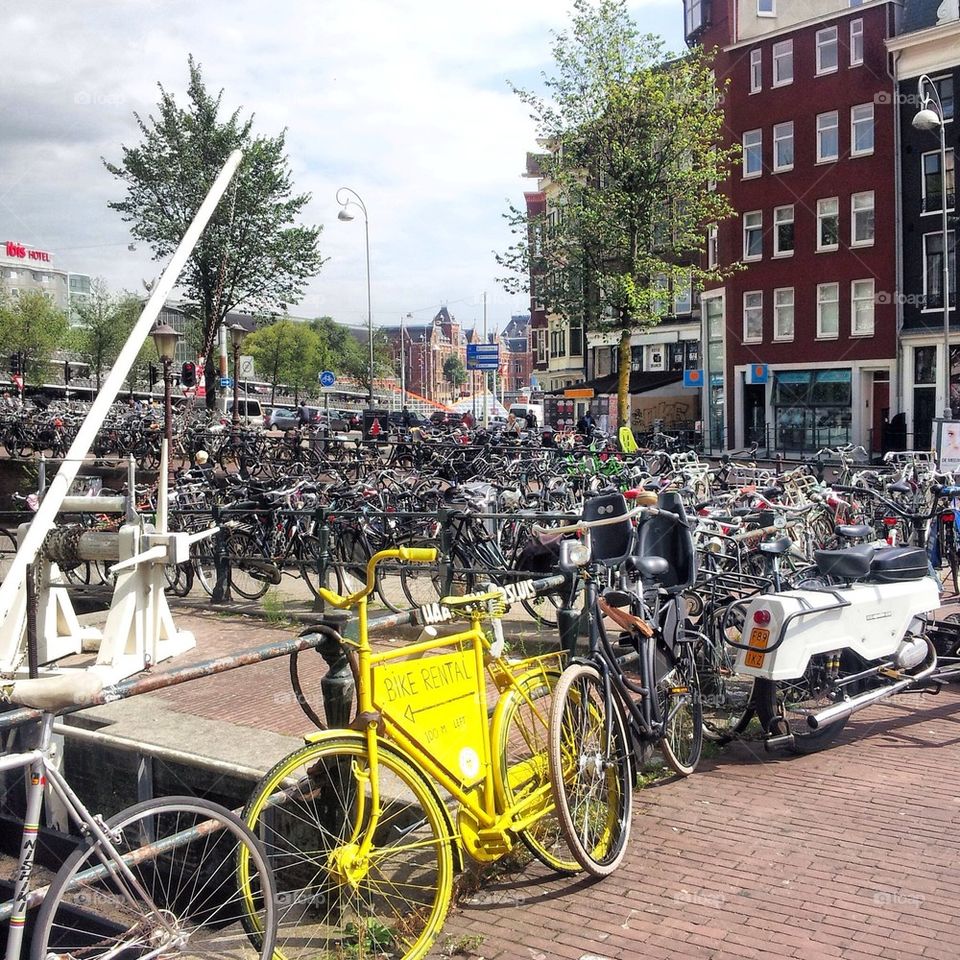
(238, 333)
(346, 216)
(930, 117)
(165, 338)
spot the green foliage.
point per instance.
(634, 145)
(348, 356)
(32, 324)
(454, 372)
(286, 351)
(252, 256)
(104, 323)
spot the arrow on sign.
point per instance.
(411, 714)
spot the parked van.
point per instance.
(249, 410)
(520, 411)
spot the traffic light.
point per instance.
(15, 363)
(188, 374)
(66, 373)
(152, 374)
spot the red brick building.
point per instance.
(812, 312)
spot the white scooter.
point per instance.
(859, 634)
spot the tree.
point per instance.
(286, 351)
(251, 256)
(454, 373)
(32, 324)
(346, 355)
(104, 322)
(634, 140)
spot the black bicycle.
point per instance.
(614, 703)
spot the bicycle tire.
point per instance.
(589, 743)
(681, 707)
(241, 546)
(308, 554)
(307, 828)
(521, 732)
(192, 880)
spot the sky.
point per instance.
(407, 102)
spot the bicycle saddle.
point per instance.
(853, 531)
(849, 564)
(776, 548)
(901, 486)
(649, 568)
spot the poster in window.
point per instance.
(948, 445)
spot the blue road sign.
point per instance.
(693, 378)
(226, 381)
(757, 373)
(327, 379)
(483, 356)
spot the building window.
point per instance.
(933, 270)
(862, 219)
(812, 408)
(753, 317)
(861, 130)
(753, 153)
(576, 341)
(540, 345)
(713, 251)
(783, 63)
(933, 183)
(783, 146)
(828, 224)
(861, 308)
(827, 50)
(753, 235)
(682, 295)
(783, 313)
(558, 343)
(944, 87)
(828, 310)
(693, 13)
(766, 8)
(783, 231)
(828, 136)
(925, 365)
(856, 43)
(756, 71)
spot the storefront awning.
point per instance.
(640, 382)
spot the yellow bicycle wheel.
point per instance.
(312, 812)
(521, 731)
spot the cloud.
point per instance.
(405, 101)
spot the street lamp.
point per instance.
(165, 338)
(927, 118)
(238, 333)
(346, 216)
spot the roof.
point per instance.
(640, 382)
(921, 14)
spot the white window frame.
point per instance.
(778, 137)
(759, 146)
(938, 234)
(713, 246)
(821, 302)
(756, 338)
(772, 12)
(777, 252)
(923, 180)
(756, 70)
(854, 242)
(863, 299)
(758, 256)
(777, 307)
(854, 152)
(781, 50)
(823, 41)
(682, 295)
(856, 43)
(827, 247)
(821, 129)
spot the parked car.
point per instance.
(282, 418)
(441, 418)
(250, 411)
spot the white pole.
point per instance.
(45, 517)
(486, 375)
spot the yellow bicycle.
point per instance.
(363, 848)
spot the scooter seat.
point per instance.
(853, 531)
(850, 564)
(897, 564)
(776, 548)
(649, 568)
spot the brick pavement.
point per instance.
(848, 854)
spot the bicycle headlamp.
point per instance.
(574, 553)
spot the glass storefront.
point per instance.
(812, 408)
(714, 373)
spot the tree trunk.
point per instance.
(210, 382)
(623, 379)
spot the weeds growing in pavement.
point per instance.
(462, 946)
(274, 607)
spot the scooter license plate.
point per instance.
(759, 638)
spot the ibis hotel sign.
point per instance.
(20, 252)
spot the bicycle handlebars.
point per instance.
(412, 554)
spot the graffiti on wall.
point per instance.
(670, 410)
